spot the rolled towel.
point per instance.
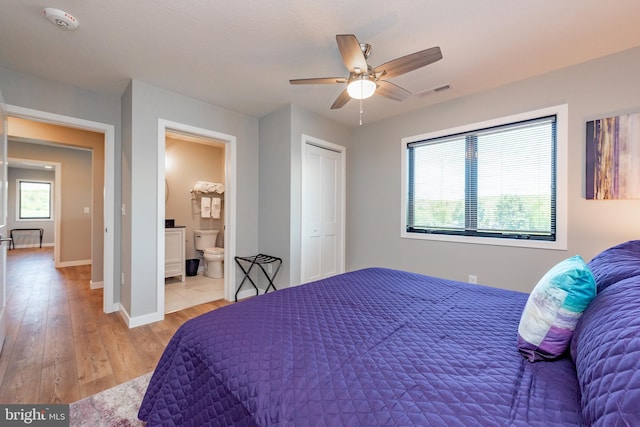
(208, 187)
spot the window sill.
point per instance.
(560, 244)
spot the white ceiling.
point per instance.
(241, 54)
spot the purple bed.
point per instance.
(386, 347)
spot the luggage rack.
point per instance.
(12, 242)
(259, 260)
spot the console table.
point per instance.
(12, 244)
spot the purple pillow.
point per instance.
(616, 263)
(606, 349)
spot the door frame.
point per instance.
(229, 202)
(108, 303)
(310, 140)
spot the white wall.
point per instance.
(601, 88)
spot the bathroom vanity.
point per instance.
(174, 252)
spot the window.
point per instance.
(34, 200)
(494, 182)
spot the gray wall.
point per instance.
(147, 105)
(28, 238)
(268, 174)
(23, 90)
(275, 189)
(280, 187)
(601, 88)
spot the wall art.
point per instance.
(613, 158)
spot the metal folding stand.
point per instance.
(259, 260)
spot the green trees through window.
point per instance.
(34, 200)
(493, 182)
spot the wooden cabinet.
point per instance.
(174, 258)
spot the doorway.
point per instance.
(190, 162)
(109, 297)
(323, 209)
(228, 234)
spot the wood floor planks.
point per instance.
(60, 346)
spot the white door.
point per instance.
(322, 213)
(3, 221)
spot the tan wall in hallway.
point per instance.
(71, 241)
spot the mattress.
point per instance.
(370, 347)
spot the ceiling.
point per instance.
(240, 55)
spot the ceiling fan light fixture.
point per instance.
(361, 87)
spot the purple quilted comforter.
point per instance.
(371, 347)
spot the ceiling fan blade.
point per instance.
(392, 91)
(351, 54)
(341, 100)
(408, 63)
(320, 80)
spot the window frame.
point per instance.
(18, 200)
(560, 243)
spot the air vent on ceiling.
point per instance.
(442, 88)
(436, 89)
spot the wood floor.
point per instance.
(60, 345)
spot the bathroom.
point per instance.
(190, 160)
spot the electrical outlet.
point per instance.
(473, 279)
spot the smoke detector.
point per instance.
(61, 19)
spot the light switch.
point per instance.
(86, 210)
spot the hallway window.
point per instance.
(34, 200)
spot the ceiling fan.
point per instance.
(364, 80)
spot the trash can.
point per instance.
(192, 267)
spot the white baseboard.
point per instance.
(33, 245)
(125, 315)
(133, 322)
(95, 285)
(250, 292)
(112, 308)
(74, 263)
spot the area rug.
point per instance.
(117, 406)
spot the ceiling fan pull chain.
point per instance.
(361, 112)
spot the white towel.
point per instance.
(205, 207)
(215, 207)
(208, 187)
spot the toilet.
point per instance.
(213, 256)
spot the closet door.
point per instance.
(322, 214)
